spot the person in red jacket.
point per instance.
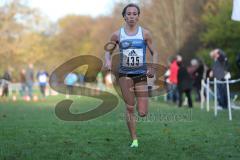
(173, 79)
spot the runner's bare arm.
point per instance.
(114, 39)
(151, 47)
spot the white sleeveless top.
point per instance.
(132, 52)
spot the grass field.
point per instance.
(31, 131)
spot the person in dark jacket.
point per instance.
(238, 62)
(197, 76)
(184, 84)
(6, 78)
(218, 72)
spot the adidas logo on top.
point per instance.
(132, 53)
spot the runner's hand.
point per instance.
(150, 72)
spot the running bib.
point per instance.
(132, 57)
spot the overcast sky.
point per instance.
(55, 9)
